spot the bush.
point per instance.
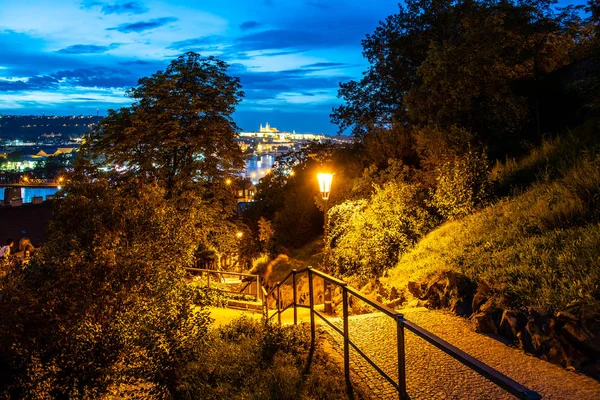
(462, 185)
(253, 360)
(367, 237)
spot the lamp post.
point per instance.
(325, 189)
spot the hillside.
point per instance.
(539, 246)
(526, 267)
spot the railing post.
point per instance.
(346, 335)
(327, 288)
(401, 358)
(295, 296)
(279, 303)
(266, 303)
(257, 288)
(208, 279)
(311, 296)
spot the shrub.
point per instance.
(462, 185)
(367, 237)
(252, 360)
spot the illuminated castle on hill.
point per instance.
(268, 131)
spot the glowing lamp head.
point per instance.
(325, 185)
(239, 235)
(228, 182)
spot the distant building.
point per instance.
(244, 190)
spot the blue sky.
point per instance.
(72, 56)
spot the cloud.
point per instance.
(102, 77)
(88, 49)
(195, 43)
(325, 65)
(130, 7)
(33, 83)
(248, 25)
(142, 26)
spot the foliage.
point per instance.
(463, 185)
(474, 64)
(265, 234)
(104, 304)
(178, 132)
(253, 360)
(288, 199)
(367, 237)
(373, 177)
(537, 248)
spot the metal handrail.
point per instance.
(479, 367)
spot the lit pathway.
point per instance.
(431, 374)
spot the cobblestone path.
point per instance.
(431, 374)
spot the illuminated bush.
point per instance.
(367, 237)
(462, 185)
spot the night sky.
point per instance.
(63, 57)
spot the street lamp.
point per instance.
(325, 180)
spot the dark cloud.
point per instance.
(325, 65)
(104, 77)
(142, 26)
(88, 49)
(250, 25)
(195, 43)
(130, 7)
(135, 62)
(33, 83)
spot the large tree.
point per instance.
(469, 63)
(179, 131)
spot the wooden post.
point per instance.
(401, 358)
(295, 296)
(346, 336)
(311, 296)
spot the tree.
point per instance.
(105, 304)
(470, 64)
(179, 131)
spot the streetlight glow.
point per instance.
(325, 184)
(239, 235)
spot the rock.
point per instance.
(509, 325)
(581, 338)
(484, 323)
(394, 293)
(415, 289)
(482, 294)
(592, 370)
(395, 303)
(416, 303)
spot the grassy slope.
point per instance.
(538, 248)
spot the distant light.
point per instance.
(228, 182)
(292, 173)
(239, 235)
